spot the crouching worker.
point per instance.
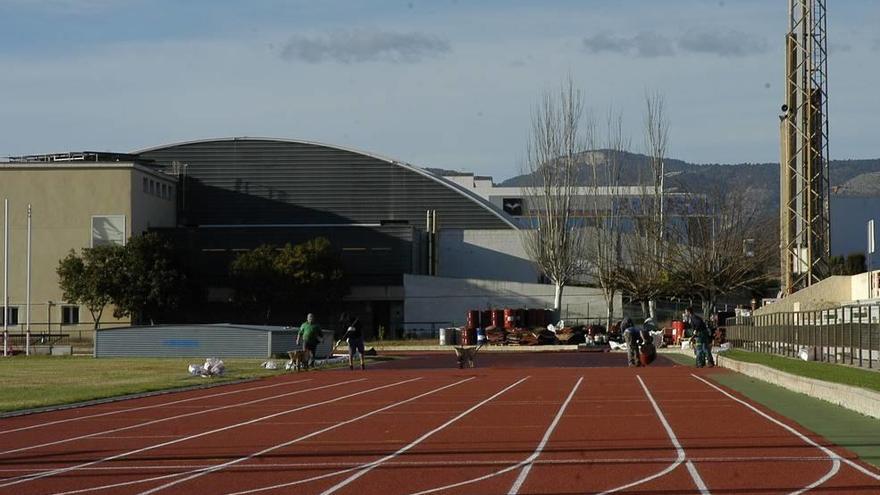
(631, 339)
(309, 337)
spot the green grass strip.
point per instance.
(829, 372)
(39, 381)
(856, 432)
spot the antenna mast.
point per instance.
(805, 223)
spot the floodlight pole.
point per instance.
(27, 325)
(5, 276)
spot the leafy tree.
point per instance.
(89, 278)
(316, 271)
(256, 280)
(853, 264)
(268, 276)
(148, 281)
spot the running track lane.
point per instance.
(605, 424)
(200, 443)
(737, 450)
(351, 450)
(678, 396)
(105, 441)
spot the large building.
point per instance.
(218, 198)
(77, 200)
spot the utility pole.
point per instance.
(805, 221)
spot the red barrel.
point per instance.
(473, 319)
(469, 336)
(497, 318)
(509, 318)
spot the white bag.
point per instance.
(195, 369)
(270, 365)
(214, 367)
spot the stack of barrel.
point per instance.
(505, 326)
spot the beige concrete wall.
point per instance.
(64, 198)
(152, 209)
(829, 293)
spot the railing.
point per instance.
(848, 335)
(33, 343)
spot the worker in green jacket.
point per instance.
(309, 337)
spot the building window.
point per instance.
(164, 191)
(152, 187)
(145, 184)
(69, 315)
(13, 315)
(170, 192)
(108, 229)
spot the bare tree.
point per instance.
(656, 141)
(555, 240)
(604, 242)
(723, 246)
(645, 274)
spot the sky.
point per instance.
(436, 83)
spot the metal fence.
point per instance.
(848, 335)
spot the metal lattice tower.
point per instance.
(805, 222)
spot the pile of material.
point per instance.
(496, 335)
(212, 367)
(571, 335)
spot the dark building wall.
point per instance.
(261, 181)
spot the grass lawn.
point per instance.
(821, 371)
(38, 381)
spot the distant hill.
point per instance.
(849, 178)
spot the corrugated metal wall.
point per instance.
(185, 341)
(201, 341)
(261, 181)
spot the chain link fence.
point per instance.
(847, 335)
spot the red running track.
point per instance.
(499, 430)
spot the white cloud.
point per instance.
(364, 46)
(650, 44)
(722, 43)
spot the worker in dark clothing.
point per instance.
(354, 335)
(701, 338)
(631, 338)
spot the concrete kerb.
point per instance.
(860, 400)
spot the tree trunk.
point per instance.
(652, 310)
(645, 311)
(609, 309)
(557, 300)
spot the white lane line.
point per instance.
(141, 408)
(671, 434)
(370, 466)
(204, 471)
(835, 459)
(265, 466)
(170, 418)
(53, 472)
(511, 465)
(695, 475)
(514, 489)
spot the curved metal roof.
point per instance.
(163, 150)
